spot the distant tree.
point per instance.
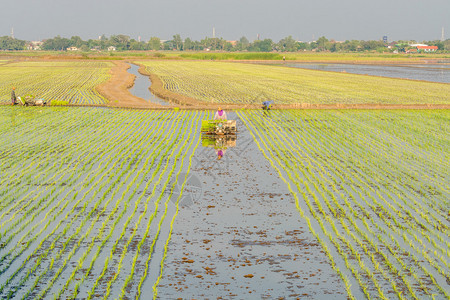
(242, 44)
(228, 47)
(333, 46)
(121, 42)
(57, 44)
(265, 45)
(177, 42)
(351, 45)
(322, 42)
(288, 44)
(136, 45)
(371, 45)
(188, 44)
(168, 45)
(197, 45)
(8, 43)
(76, 41)
(447, 45)
(303, 46)
(154, 43)
(84, 48)
(206, 43)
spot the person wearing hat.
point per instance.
(220, 115)
(13, 96)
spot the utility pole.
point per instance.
(442, 34)
(12, 32)
(214, 32)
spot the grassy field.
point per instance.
(221, 82)
(72, 81)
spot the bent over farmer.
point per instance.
(13, 96)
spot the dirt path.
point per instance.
(238, 235)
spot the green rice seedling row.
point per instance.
(225, 82)
(91, 201)
(72, 82)
(81, 200)
(357, 180)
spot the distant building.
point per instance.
(34, 45)
(427, 48)
(392, 45)
(385, 39)
(233, 43)
(111, 48)
(72, 49)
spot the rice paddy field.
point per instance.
(224, 82)
(128, 204)
(73, 82)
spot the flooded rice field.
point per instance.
(241, 235)
(426, 72)
(137, 204)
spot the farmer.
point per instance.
(220, 115)
(266, 105)
(13, 96)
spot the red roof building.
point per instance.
(427, 48)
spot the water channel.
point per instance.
(428, 72)
(141, 87)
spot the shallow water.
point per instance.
(239, 235)
(427, 72)
(141, 87)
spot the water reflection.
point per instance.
(220, 143)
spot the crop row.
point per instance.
(373, 187)
(73, 82)
(224, 82)
(83, 192)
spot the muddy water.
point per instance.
(239, 235)
(141, 87)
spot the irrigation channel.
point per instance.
(141, 87)
(428, 72)
(238, 233)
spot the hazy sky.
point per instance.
(232, 19)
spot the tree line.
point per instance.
(288, 44)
